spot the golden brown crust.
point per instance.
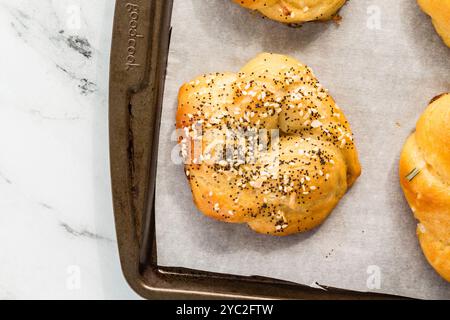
(293, 186)
(425, 179)
(439, 10)
(295, 11)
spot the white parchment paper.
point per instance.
(382, 64)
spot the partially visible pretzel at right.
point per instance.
(425, 178)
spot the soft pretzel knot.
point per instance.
(425, 178)
(295, 11)
(266, 146)
(439, 10)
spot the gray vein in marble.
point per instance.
(19, 17)
(45, 205)
(22, 14)
(5, 179)
(87, 87)
(83, 233)
(23, 23)
(79, 44)
(16, 29)
(74, 232)
(71, 230)
(82, 46)
(45, 117)
(61, 68)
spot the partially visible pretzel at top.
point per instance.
(308, 166)
(295, 11)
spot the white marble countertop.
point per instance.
(57, 237)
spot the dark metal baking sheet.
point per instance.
(138, 62)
